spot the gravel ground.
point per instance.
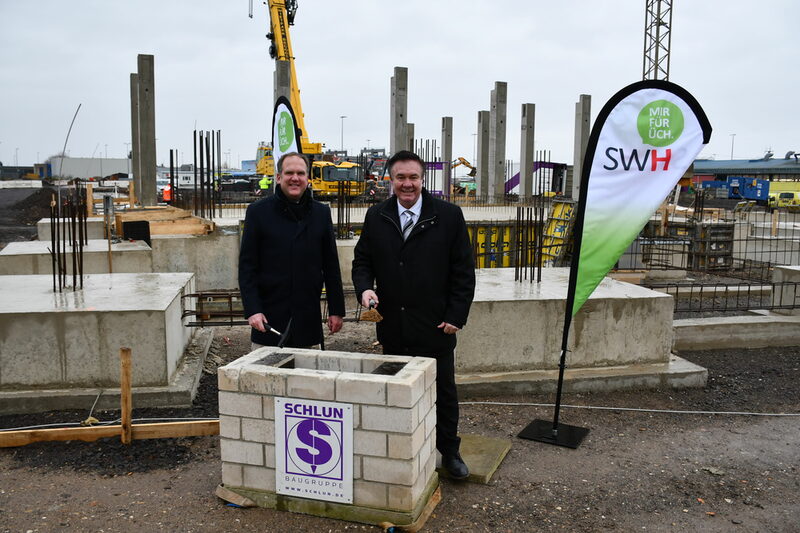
(643, 471)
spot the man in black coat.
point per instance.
(288, 250)
(414, 261)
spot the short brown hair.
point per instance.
(293, 154)
(405, 155)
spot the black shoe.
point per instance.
(455, 466)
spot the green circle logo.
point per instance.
(285, 131)
(660, 123)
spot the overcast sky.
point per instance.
(213, 70)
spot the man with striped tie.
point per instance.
(414, 262)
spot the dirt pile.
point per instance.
(20, 210)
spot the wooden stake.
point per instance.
(775, 217)
(89, 198)
(125, 394)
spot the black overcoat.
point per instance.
(283, 263)
(427, 279)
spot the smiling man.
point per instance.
(414, 262)
(288, 251)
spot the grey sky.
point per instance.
(212, 68)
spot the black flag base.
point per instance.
(542, 431)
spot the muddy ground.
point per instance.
(636, 470)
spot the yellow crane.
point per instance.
(281, 16)
(325, 175)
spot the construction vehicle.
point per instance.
(461, 161)
(325, 175)
(784, 194)
(328, 179)
(265, 165)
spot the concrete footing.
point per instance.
(69, 341)
(33, 257)
(758, 330)
(676, 373)
(95, 228)
(517, 326)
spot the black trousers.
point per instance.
(447, 439)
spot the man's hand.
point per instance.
(334, 323)
(449, 329)
(257, 322)
(368, 295)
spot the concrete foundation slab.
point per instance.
(71, 340)
(95, 229)
(518, 326)
(752, 331)
(32, 257)
(179, 392)
(213, 258)
(677, 373)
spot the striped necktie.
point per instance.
(409, 223)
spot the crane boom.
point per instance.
(281, 16)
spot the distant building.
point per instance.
(769, 168)
(88, 167)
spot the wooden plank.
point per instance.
(193, 227)
(126, 399)
(154, 213)
(193, 428)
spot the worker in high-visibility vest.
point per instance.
(264, 184)
(166, 194)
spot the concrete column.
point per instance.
(410, 136)
(398, 126)
(136, 169)
(583, 111)
(497, 139)
(147, 130)
(526, 151)
(482, 161)
(282, 82)
(447, 153)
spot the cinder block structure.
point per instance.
(392, 402)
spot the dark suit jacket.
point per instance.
(283, 263)
(420, 282)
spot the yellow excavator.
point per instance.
(325, 175)
(461, 161)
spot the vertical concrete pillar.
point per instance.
(583, 111)
(410, 139)
(282, 79)
(447, 154)
(136, 168)
(526, 151)
(147, 130)
(482, 157)
(497, 139)
(398, 126)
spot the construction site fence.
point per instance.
(743, 243)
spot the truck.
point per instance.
(784, 195)
(742, 188)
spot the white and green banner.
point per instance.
(641, 144)
(285, 135)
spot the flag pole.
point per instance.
(542, 430)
